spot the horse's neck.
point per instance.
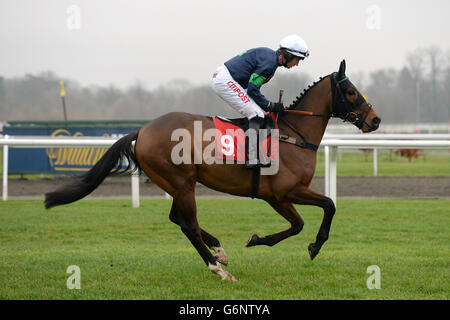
(318, 100)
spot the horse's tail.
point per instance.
(111, 162)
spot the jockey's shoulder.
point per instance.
(259, 53)
(263, 50)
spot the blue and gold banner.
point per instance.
(73, 159)
(51, 160)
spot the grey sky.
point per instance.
(121, 42)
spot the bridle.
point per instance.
(343, 109)
(340, 108)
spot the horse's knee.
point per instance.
(173, 215)
(329, 207)
(297, 227)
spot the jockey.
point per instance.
(238, 82)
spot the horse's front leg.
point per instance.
(214, 244)
(288, 212)
(304, 195)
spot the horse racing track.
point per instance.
(117, 252)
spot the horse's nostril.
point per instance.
(376, 120)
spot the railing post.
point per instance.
(375, 162)
(5, 170)
(135, 189)
(333, 174)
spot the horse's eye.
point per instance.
(351, 92)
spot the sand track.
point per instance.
(358, 187)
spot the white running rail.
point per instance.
(330, 142)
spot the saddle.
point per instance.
(243, 123)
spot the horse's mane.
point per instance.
(303, 94)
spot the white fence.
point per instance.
(345, 128)
(331, 143)
(331, 148)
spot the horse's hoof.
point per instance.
(224, 275)
(222, 259)
(252, 241)
(220, 256)
(312, 251)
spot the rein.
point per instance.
(300, 143)
(307, 113)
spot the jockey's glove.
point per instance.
(276, 107)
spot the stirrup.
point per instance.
(255, 123)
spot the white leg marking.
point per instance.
(222, 273)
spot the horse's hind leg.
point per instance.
(184, 201)
(288, 212)
(211, 241)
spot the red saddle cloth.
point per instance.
(230, 142)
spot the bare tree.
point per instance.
(415, 61)
(419, 91)
(446, 85)
(435, 61)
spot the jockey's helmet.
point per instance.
(295, 45)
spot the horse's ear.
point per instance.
(341, 73)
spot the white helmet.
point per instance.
(295, 45)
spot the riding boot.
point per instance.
(253, 160)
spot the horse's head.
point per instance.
(350, 105)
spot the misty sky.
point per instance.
(121, 42)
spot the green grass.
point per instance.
(126, 253)
(359, 164)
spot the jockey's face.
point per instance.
(294, 62)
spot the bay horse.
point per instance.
(305, 121)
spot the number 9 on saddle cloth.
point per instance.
(232, 140)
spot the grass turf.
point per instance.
(359, 164)
(126, 253)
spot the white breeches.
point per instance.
(232, 93)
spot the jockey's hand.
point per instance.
(277, 107)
